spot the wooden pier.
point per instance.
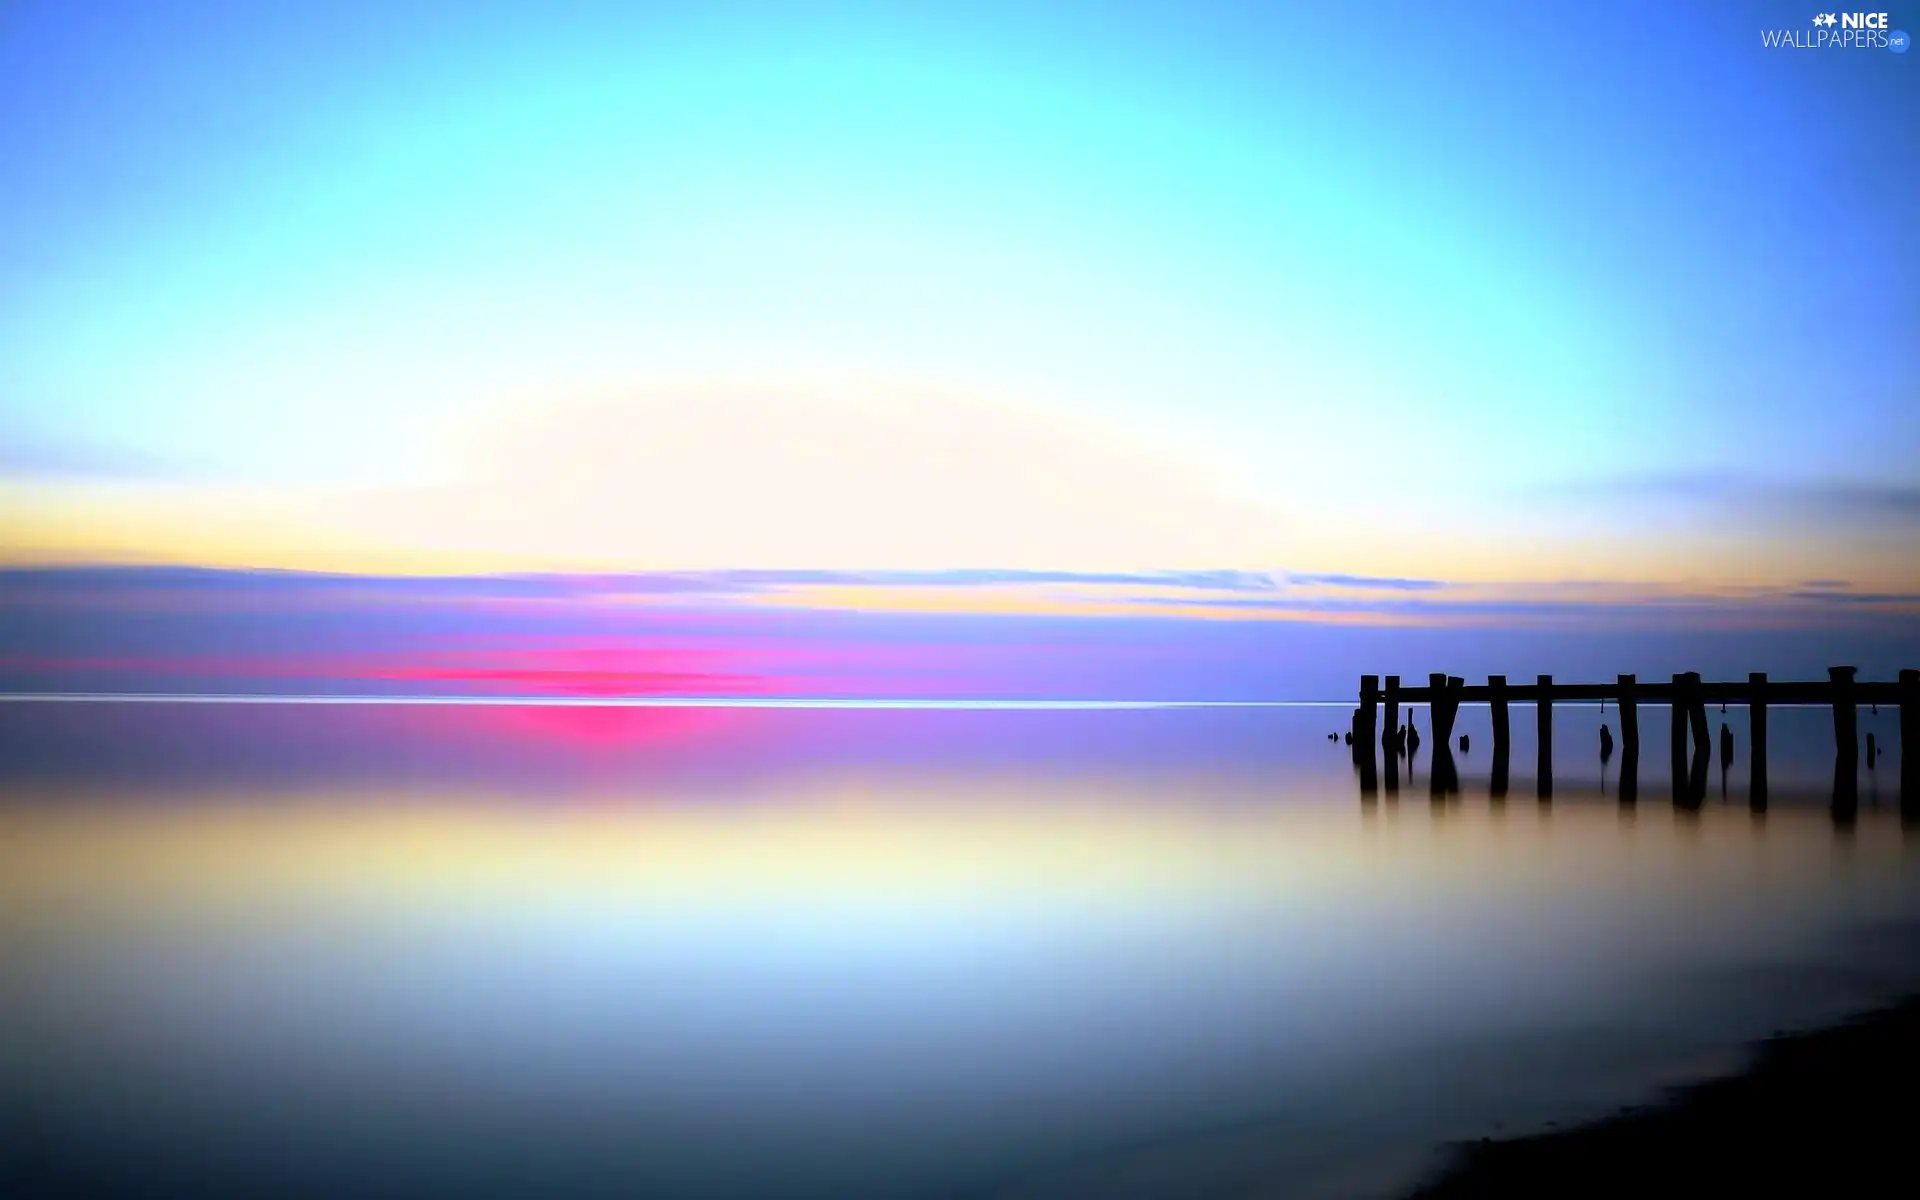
(1687, 695)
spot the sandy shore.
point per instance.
(1827, 1113)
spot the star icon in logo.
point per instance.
(1825, 19)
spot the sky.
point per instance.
(1476, 294)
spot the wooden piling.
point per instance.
(1846, 739)
(1757, 736)
(1629, 739)
(1497, 702)
(1363, 734)
(1440, 723)
(1390, 736)
(1543, 725)
(1677, 731)
(1629, 715)
(1910, 743)
(1702, 739)
(1449, 774)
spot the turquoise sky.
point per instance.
(1314, 257)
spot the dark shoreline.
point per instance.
(1831, 1112)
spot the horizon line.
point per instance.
(776, 702)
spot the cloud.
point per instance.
(1813, 500)
(975, 577)
(975, 593)
(1826, 597)
(32, 457)
(1368, 582)
(718, 584)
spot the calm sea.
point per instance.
(524, 950)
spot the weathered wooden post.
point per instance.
(1448, 773)
(1629, 715)
(1757, 735)
(1702, 738)
(1441, 725)
(1677, 729)
(1363, 733)
(1910, 743)
(1543, 727)
(1390, 736)
(1629, 740)
(1497, 701)
(1846, 739)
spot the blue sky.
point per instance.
(1261, 271)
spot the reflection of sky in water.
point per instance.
(541, 751)
(844, 953)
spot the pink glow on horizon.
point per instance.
(596, 666)
(668, 731)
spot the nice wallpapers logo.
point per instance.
(1840, 31)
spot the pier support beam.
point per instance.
(1846, 741)
(1363, 734)
(1629, 740)
(1444, 700)
(1677, 732)
(1702, 739)
(1757, 735)
(1455, 686)
(1438, 717)
(1390, 729)
(1543, 727)
(1502, 741)
(1910, 744)
(1390, 735)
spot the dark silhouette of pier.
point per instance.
(1687, 696)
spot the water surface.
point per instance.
(520, 950)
